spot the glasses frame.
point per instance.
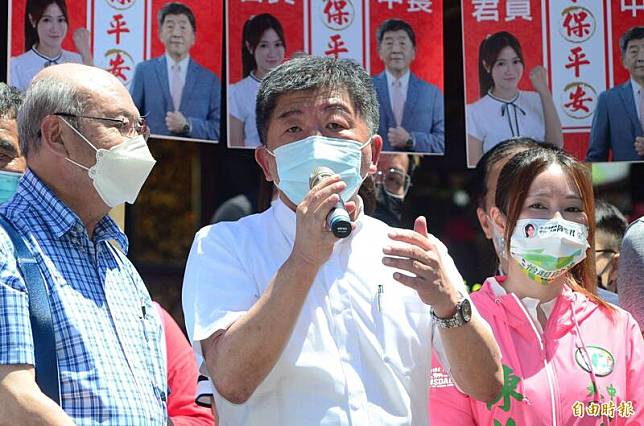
(141, 128)
(380, 177)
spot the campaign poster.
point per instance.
(527, 59)
(172, 71)
(263, 33)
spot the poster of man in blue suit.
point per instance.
(411, 110)
(178, 96)
(618, 121)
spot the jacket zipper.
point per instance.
(547, 366)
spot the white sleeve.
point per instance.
(472, 120)
(217, 289)
(15, 77)
(234, 105)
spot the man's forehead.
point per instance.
(397, 34)
(176, 18)
(315, 99)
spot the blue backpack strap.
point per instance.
(42, 325)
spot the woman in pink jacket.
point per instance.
(569, 358)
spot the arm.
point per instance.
(471, 350)
(82, 42)
(474, 150)
(454, 406)
(22, 401)
(599, 141)
(552, 123)
(208, 128)
(235, 131)
(240, 357)
(432, 141)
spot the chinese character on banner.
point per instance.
(632, 6)
(625, 409)
(608, 409)
(486, 10)
(336, 46)
(291, 2)
(119, 64)
(337, 14)
(593, 409)
(578, 24)
(576, 59)
(117, 27)
(582, 99)
(419, 6)
(390, 3)
(517, 9)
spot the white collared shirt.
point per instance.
(529, 303)
(183, 68)
(404, 84)
(636, 96)
(353, 358)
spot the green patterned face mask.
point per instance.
(545, 249)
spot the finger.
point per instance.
(408, 251)
(322, 210)
(318, 195)
(411, 237)
(411, 282)
(325, 181)
(415, 267)
(420, 226)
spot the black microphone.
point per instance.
(338, 219)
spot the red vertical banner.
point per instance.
(624, 14)
(426, 18)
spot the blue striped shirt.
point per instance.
(109, 338)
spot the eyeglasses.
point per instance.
(125, 128)
(603, 251)
(393, 181)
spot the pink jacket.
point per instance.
(546, 377)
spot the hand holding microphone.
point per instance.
(338, 220)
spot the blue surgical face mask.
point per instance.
(296, 161)
(8, 184)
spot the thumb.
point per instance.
(420, 226)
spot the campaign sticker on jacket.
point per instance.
(603, 362)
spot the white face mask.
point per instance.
(120, 172)
(547, 248)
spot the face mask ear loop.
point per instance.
(79, 134)
(586, 355)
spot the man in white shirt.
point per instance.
(411, 110)
(295, 326)
(178, 96)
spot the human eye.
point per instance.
(293, 129)
(574, 209)
(336, 126)
(279, 43)
(537, 206)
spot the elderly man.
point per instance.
(86, 152)
(12, 164)
(297, 327)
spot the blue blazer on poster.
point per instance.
(615, 126)
(423, 114)
(200, 100)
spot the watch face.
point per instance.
(466, 310)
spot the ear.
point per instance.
(485, 223)
(498, 219)
(265, 160)
(486, 66)
(51, 139)
(33, 23)
(376, 149)
(249, 48)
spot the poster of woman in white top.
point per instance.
(504, 111)
(45, 42)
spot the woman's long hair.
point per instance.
(512, 189)
(36, 8)
(489, 51)
(254, 28)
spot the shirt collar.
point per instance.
(636, 88)
(59, 218)
(404, 79)
(182, 63)
(529, 302)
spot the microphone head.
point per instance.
(319, 173)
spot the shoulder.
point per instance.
(203, 71)
(530, 97)
(143, 65)
(480, 105)
(22, 58)
(425, 85)
(73, 57)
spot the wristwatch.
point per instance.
(410, 143)
(186, 128)
(462, 316)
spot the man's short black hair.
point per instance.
(313, 73)
(10, 101)
(611, 222)
(633, 33)
(395, 25)
(176, 8)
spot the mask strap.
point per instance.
(78, 164)
(78, 133)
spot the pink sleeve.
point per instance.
(635, 372)
(447, 405)
(182, 377)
